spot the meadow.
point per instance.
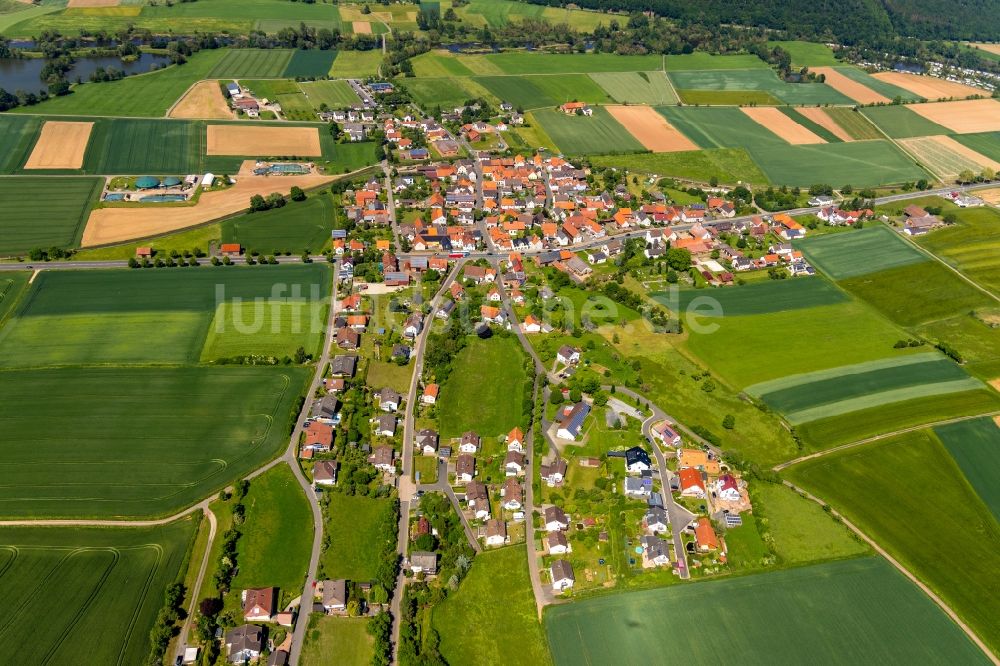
(264, 329)
(489, 407)
(44, 212)
(152, 440)
(477, 630)
(497, 13)
(977, 342)
(971, 244)
(765, 80)
(651, 88)
(975, 446)
(276, 540)
(341, 639)
(536, 92)
(293, 228)
(155, 316)
(352, 523)
(12, 285)
(728, 165)
(900, 122)
(872, 249)
(17, 138)
(108, 582)
(141, 95)
(888, 618)
(356, 64)
(760, 297)
(335, 94)
(251, 63)
(580, 135)
(909, 495)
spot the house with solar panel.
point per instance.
(572, 421)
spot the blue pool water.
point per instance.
(114, 196)
(162, 198)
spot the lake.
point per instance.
(23, 74)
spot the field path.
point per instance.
(954, 270)
(186, 628)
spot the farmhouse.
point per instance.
(918, 221)
(573, 108)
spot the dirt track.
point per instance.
(776, 121)
(859, 92)
(963, 117)
(264, 141)
(819, 116)
(61, 145)
(929, 87)
(117, 225)
(651, 129)
(203, 100)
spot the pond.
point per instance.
(24, 74)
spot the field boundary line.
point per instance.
(906, 572)
(670, 84)
(954, 270)
(177, 101)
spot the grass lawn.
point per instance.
(488, 400)
(975, 446)
(63, 203)
(874, 248)
(335, 94)
(728, 165)
(580, 135)
(909, 495)
(108, 581)
(744, 546)
(888, 618)
(277, 535)
(301, 225)
(476, 629)
(141, 95)
(341, 640)
(352, 527)
(356, 64)
(802, 531)
(761, 297)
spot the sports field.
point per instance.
(65, 585)
(581, 135)
(477, 630)
(293, 228)
(764, 80)
(845, 389)
(874, 248)
(148, 440)
(636, 87)
(760, 297)
(900, 122)
(492, 408)
(888, 619)
(252, 64)
(536, 92)
(971, 245)
(975, 446)
(154, 317)
(335, 94)
(44, 212)
(903, 490)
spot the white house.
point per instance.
(727, 489)
(562, 576)
(496, 532)
(515, 440)
(470, 443)
(555, 519)
(557, 544)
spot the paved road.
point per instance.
(442, 486)
(182, 643)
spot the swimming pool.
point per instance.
(114, 196)
(163, 198)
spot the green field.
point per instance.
(142, 147)
(477, 630)
(264, 329)
(701, 60)
(522, 62)
(490, 408)
(149, 441)
(295, 227)
(985, 143)
(444, 92)
(353, 529)
(888, 619)
(65, 585)
(857, 163)
(817, 338)
(975, 446)
(17, 138)
(802, 531)
(909, 495)
(335, 94)
(875, 248)
(277, 535)
(728, 98)
(852, 388)
(154, 316)
(765, 80)
(636, 87)
(141, 95)
(341, 640)
(580, 135)
(807, 54)
(42, 212)
(438, 64)
(854, 123)
(972, 244)
(917, 293)
(721, 128)
(977, 342)
(12, 285)
(760, 297)
(310, 63)
(729, 165)
(899, 122)
(252, 63)
(356, 64)
(536, 92)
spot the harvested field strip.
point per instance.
(854, 123)
(203, 100)
(779, 123)
(651, 129)
(61, 145)
(945, 156)
(891, 621)
(964, 117)
(263, 141)
(361, 27)
(855, 253)
(821, 118)
(929, 87)
(975, 446)
(858, 92)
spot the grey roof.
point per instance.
(335, 592)
(249, 637)
(424, 560)
(554, 513)
(386, 423)
(344, 364)
(562, 569)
